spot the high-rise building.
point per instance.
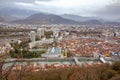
(56, 32)
(32, 36)
(40, 32)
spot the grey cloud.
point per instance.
(111, 11)
(2, 2)
(12, 1)
(7, 3)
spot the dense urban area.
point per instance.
(59, 52)
(59, 39)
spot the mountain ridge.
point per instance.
(26, 16)
(78, 18)
(44, 18)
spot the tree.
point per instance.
(116, 66)
(4, 74)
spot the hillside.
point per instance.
(43, 18)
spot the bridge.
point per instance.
(76, 60)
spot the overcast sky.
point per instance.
(109, 9)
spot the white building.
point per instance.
(32, 36)
(52, 53)
(56, 32)
(35, 43)
(40, 32)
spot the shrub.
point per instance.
(116, 67)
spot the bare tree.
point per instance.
(4, 73)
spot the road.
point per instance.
(59, 59)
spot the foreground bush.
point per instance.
(116, 67)
(94, 72)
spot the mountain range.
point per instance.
(23, 16)
(17, 13)
(78, 18)
(7, 18)
(44, 18)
